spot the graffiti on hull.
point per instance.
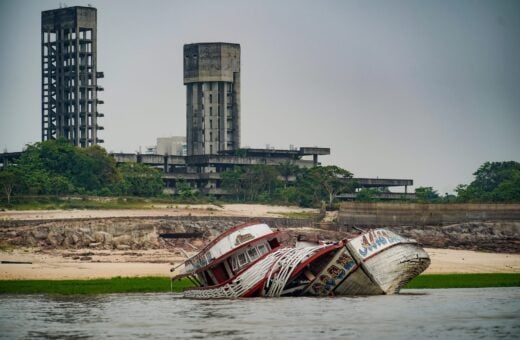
(375, 241)
(333, 274)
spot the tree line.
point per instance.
(287, 183)
(57, 167)
(495, 182)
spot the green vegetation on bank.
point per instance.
(286, 183)
(95, 286)
(495, 182)
(59, 169)
(465, 280)
(162, 284)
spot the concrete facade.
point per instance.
(212, 79)
(70, 76)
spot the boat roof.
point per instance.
(226, 250)
(227, 233)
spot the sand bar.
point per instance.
(60, 265)
(158, 210)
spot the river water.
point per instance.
(439, 313)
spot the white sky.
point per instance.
(427, 90)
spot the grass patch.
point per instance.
(96, 286)
(162, 284)
(465, 280)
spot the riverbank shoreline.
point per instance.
(101, 244)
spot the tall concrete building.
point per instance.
(212, 79)
(70, 76)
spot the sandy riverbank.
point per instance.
(245, 210)
(92, 263)
(61, 265)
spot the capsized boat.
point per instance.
(249, 260)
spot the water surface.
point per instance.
(440, 313)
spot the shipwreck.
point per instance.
(249, 260)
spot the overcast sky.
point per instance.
(426, 90)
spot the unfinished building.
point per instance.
(70, 76)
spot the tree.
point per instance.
(7, 183)
(61, 185)
(58, 167)
(252, 183)
(367, 195)
(286, 170)
(184, 190)
(490, 174)
(101, 164)
(231, 181)
(426, 194)
(328, 181)
(509, 189)
(264, 181)
(494, 182)
(140, 180)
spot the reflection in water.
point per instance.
(448, 313)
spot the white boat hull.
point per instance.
(377, 262)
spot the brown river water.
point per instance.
(439, 313)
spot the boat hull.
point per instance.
(376, 262)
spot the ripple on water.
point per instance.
(442, 313)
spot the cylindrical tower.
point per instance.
(212, 79)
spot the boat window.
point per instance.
(253, 253)
(262, 249)
(242, 259)
(234, 264)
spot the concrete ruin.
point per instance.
(70, 76)
(212, 79)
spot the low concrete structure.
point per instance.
(203, 172)
(414, 214)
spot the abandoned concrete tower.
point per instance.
(70, 76)
(212, 79)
